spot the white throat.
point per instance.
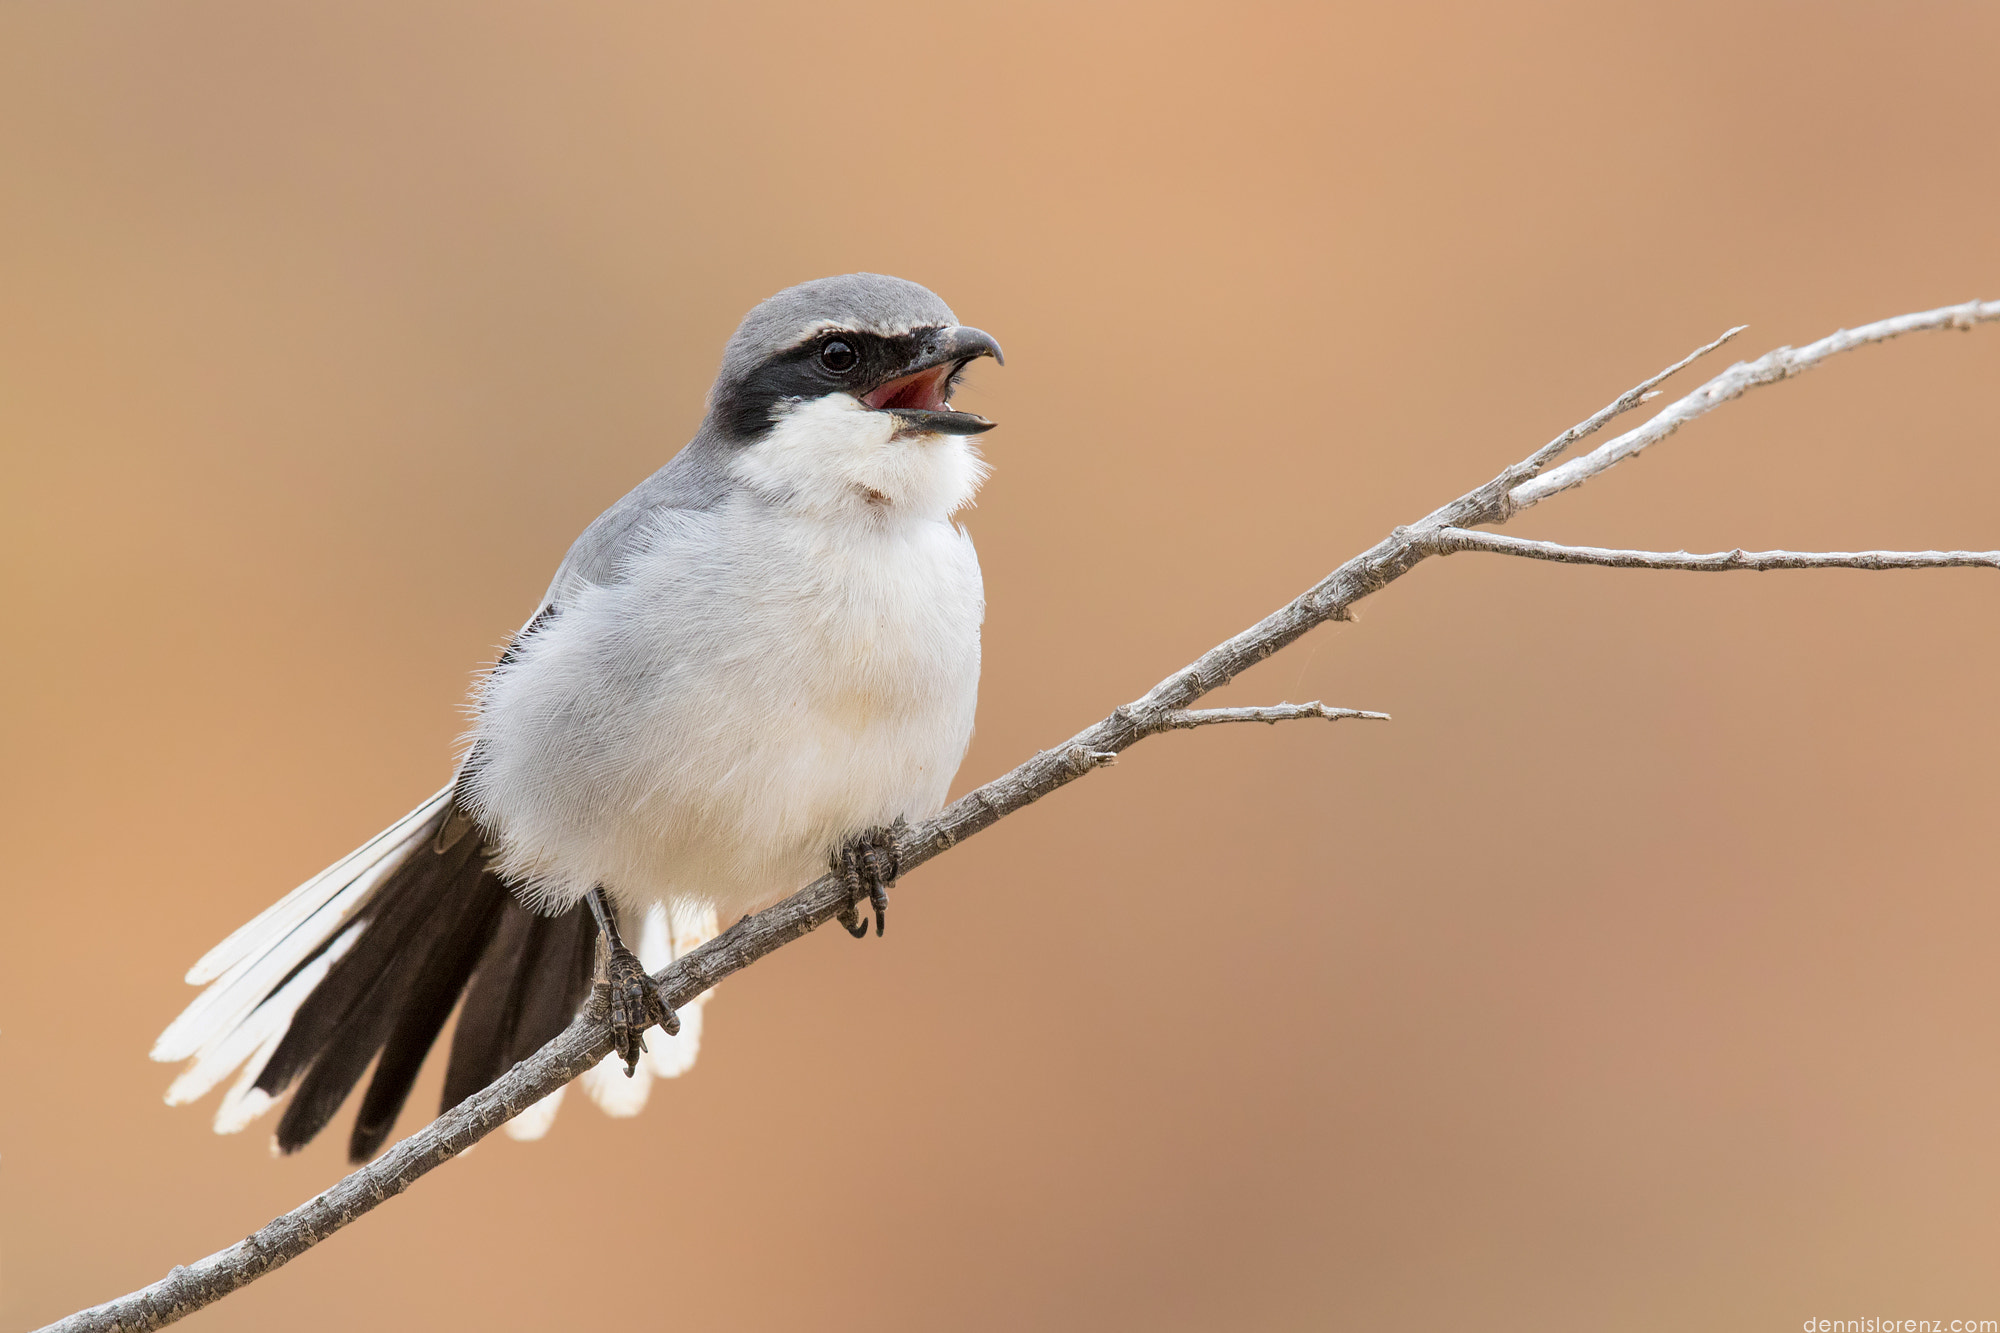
(831, 455)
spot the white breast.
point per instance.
(766, 679)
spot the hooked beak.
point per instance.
(916, 396)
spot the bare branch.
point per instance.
(1783, 363)
(1450, 540)
(1186, 719)
(1164, 708)
(1642, 392)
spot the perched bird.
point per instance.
(745, 671)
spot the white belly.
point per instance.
(757, 688)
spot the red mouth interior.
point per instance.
(923, 391)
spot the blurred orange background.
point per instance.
(1640, 974)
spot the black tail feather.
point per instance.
(555, 984)
(398, 908)
(533, 979)
(433, 990)
(485, 1026)
(439, 920)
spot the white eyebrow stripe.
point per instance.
(822, 327)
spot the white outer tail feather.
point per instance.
(256, 1037)
(238, 1021)
(301, 902)
(255, 957)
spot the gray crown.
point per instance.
(870, 302)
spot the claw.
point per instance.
(635, 1005)
(867, 865)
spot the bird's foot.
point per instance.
(635, 1004)
(868, 864)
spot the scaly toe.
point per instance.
(635, 1005)
(868, 864)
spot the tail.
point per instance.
(365, 962)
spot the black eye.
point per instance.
(838, 357)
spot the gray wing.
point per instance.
(695, 478)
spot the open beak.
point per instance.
(918, 395)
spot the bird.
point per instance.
(751, 669)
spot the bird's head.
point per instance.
(835, 381)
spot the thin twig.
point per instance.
(585, 1042)
(1645, 391)
(1783, 363)
(1185, 719)
(1459, 539)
